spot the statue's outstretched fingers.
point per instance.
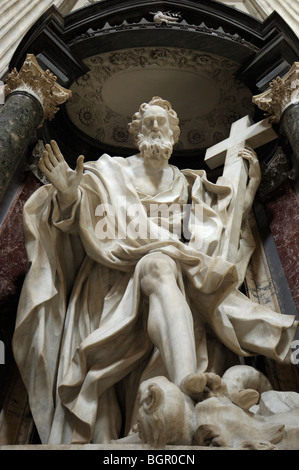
(56, 151)
(80, 165)
(47, 161)
(50, 155)
(43, 168)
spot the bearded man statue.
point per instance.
(127, 281)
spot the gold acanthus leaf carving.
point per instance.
(41, 84)
(282, 93)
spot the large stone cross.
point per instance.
(242, 134)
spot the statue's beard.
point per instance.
(155, 151)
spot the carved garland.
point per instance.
(89, 111)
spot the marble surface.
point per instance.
(16, 423)
(282, 208)
(13, 268)
(290, 125)
(220, 419)
(120, 321)
(19, 119)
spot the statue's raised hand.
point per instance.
(58, 172)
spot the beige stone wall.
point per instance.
(16, 18)
(260, 9)
(81, 4)
(238, 4)
(288, 9)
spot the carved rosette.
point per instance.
(39, 83)
(282, 93)
(94, 113)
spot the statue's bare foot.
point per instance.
(244, 398)
(215, 387)
(193, 385)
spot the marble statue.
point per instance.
(128, 288)
(215, 421)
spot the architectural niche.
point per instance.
(105, 98)
(215, 57)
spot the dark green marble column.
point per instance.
(20, 117)
(290, 125)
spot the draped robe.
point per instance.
(81, 341)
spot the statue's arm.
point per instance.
(61, 176)
(254, 177)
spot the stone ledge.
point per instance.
(111, 447)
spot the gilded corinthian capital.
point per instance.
(282, 93)
(39, 83)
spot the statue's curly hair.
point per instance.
(135, 126)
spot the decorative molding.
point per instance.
(90, 111)
(41, 84)
(145, 24)
(282, 93)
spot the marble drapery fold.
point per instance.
(82, 333)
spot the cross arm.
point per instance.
(255, 136)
